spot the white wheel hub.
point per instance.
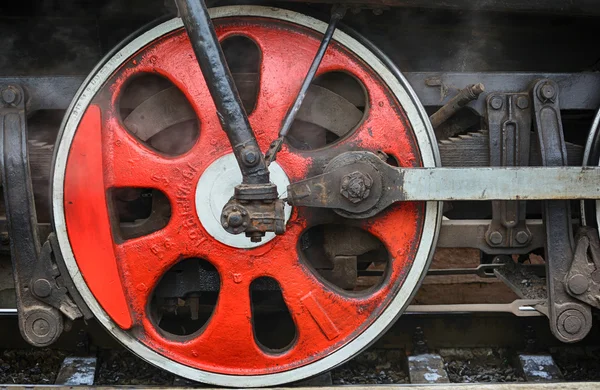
(214, 190)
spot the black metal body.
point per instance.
(572, 7)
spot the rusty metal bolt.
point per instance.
(250, 157)
(578, 284)
(256, 236)
(522, 237)
(522, 102)
(356, 186)
(547, 91)
(496, 238)
(235, 219)
(496, 102)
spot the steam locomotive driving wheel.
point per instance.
(143, 170)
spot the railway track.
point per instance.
(496, 350)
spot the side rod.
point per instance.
(232, 115)
(367, 183)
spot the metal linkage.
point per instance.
(256, 195)
(362, 184)
(509, 124)
(570, 320)
(223, 91)
(336, 15)
(51, 282)
(518, 307)
(472, 233)
(40, 323)
(582, 280)
(461, 99)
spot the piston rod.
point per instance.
(230, 111)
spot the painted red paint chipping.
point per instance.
(325, 319)
(87, 219)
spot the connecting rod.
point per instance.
(223, 91)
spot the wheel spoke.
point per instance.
(281, 74)
(230, 326)
(144, 260)
(130, 164)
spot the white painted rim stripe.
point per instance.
(425, 139)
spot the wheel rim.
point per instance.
(328, 334)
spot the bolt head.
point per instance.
(547, 91)
(496, 238)
(42, 288)
(572, 324)
(496, 102)
(578, 284)
(522, 102)
(522, 237)
(356, 186)
(9, 95)
(235, 219)
(250, 157)
(256, 236)
(41, 327)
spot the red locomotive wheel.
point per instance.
(117, 156)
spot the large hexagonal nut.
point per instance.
(356, 186)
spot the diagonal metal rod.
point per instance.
(232, 115)
(336, 15)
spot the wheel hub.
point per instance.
(214, 190)
(97, 155)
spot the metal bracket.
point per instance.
(40, 323)
(570, 320)
(51, 283)
(583, 279)
(509, 124)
